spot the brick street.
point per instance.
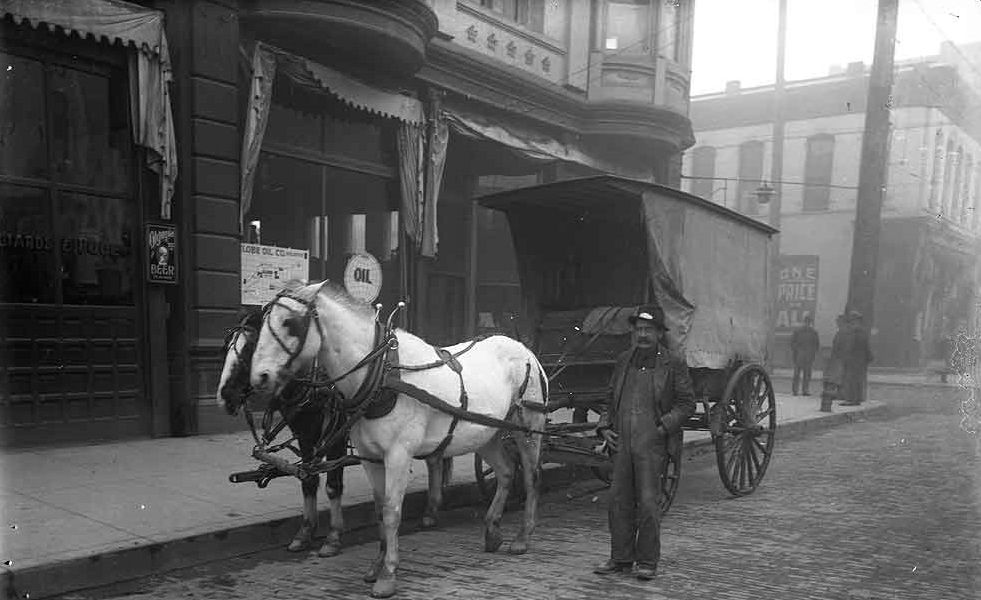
(872, 510)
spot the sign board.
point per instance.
(363, 277)
(161, 253)
(266, 269)
(797, 287)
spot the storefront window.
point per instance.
(22, 126)
(90, 137)
(28, 264)
(96, 247)
(627, 27)
(64, 121)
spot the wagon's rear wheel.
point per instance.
(745, 421)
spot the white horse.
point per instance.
(307, 425)
(321, 326)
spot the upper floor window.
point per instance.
(935, 170)
(948, 190)
(669, 30)
(529, 13)
(702, 171)
(626, 26)
(750, 175)
(818, 166)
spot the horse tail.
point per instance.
(542, 377)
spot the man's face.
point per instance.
(645, 334)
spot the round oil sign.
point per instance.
(363, 277)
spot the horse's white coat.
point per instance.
(493, 372)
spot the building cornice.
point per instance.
(477, 78)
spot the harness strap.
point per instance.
(430, 400)
(451, 361)
(444, 355)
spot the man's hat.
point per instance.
(854, 315)
(651, 313)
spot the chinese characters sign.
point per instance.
(796, 290)
(266, 269)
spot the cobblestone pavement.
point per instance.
(886, 509)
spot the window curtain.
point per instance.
(260, 99)
(438, 143)
(411, 154)
(150, 70)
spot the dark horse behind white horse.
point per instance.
(307, 424)
(412, 407)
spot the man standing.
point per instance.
(804, 345)
(652, 398)
(857, 355)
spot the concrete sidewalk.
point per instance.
(84, 516)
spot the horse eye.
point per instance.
(294, 326)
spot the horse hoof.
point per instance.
(493, 541)
(428, 522)
(517, 547)
(384, 587)
(371, 575)
(298, 545)
(329, 549)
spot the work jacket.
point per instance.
(673, 393)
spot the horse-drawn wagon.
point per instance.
(591, 250)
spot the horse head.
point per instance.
(289, 338)
(233, 386)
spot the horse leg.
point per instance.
(308, 526)
(496, 456)
(529, 448)
(376, 477)
(436, 467)
(334, 487)
(396, 480)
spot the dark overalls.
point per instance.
(655, 389)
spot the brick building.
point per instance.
(334, 127)
(927, 274)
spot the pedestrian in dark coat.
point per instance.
(834, 368)
(856, 358)
(804, 345)
(652, 398)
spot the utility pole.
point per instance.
(776, 174)
(872, 172)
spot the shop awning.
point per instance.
(531, 144)
(130, 24)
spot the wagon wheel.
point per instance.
(744, 423)
(671, 476)
(487, 481)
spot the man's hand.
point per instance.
(610, 437)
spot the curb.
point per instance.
(128, 564)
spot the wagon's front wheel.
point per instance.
(744, 424)
(487, 481)
(671, 476)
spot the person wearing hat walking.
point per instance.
(652, 398)
(804, 345)
(857, 355)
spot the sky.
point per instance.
(737, 39)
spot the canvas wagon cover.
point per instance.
(593, 242)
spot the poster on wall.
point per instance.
(161, 247)
(266, 269)
(797, 287)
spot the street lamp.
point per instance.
(765, 193)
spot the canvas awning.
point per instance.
(532, 144)
(130, 24)
(598, 242)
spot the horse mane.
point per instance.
(336, 292)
